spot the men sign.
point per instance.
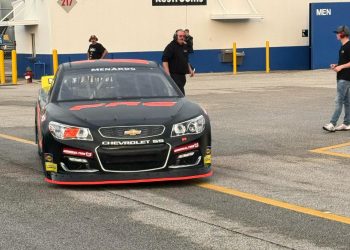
(67, 5)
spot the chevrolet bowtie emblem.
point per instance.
(132, 132)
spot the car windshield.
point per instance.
(115, 83)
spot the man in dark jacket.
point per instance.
(175, 60)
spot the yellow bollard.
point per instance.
(234, 59)
(14, 66)
(54, 61)
(267, 57)
(2, 67)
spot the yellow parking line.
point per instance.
(326, 151)
(281, 204)
(333, 147)
(331, 153)
(13, 138)
(248, 196)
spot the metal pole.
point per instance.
(14, 66)
(2, 67)
(54, 60)
(234, 59)
(267, 57)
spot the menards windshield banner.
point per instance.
(178, 2)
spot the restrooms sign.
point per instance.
(178, 2)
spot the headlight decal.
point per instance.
(67, 132)
(193, 126)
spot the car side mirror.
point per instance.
(46, 83)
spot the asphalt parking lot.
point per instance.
(280, 181)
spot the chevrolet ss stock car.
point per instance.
(119, 121)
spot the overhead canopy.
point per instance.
(228, 14)
(16, 20)
(19, 23)
(235, 16)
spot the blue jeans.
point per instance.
(343, 98)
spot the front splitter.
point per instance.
(128, 178)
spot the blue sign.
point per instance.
(324, 19)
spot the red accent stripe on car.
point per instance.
(87, 106)
(139, 61)
(159, 104)
(128, 181)
(83, 61)
(115, 104)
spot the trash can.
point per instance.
(227, 57)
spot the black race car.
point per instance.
(119, 121)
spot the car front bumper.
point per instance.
(126, 178)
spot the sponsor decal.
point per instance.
(116, 104)
(132, 132)
(113, 69)
(51, 167)
(77, 152)
(207, 160)
(178, 2)
(132, 143)
(207, 157)
(187, 147)
(208, 151)
(48, 157)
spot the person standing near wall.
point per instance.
(175, 60)
(189, 43)
(343, 82)
(96, 50)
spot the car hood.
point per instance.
(112, 113)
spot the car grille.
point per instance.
(120, 132)
(133, 158)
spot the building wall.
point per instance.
(138, 29)
(40, 10)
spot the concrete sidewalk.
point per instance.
(254, 81)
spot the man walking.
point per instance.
(175, 60)
(343, 82)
